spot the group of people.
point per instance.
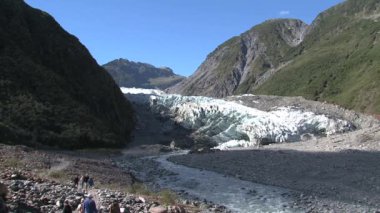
(88, 205)
(85, 181)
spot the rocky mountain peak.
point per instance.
(236, 65)
(128, 73)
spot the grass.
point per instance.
(165, 196)
(57, 175)
(13, 163)
(139, 188)
(168, 197)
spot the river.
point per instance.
(235, 194)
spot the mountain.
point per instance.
(141, 75)
(335, 59)
(338, 61)
(240, 63)
(52, 92)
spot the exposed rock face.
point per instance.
(141, 75)
(238, 65)
(52, 91)
(335, 59)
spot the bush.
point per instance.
(168, 197)
(58, 174)
(139, 188)
(13, 163)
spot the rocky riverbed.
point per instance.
(334, 174)
(40, 181)
(30, 194)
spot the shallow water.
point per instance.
(237, 195)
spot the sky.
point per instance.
(175, 33)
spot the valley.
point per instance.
(309, 172)
(283, 117)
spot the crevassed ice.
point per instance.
(233, 125)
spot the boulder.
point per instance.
(158, 209)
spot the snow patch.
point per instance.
(136, 91)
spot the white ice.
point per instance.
(233, 125)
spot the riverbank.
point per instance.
(40, 180)
(334, 174)
(209, 188)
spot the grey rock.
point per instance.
(242, 63)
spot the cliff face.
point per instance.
(335, 59)
(241, 63)
(141, 75)
(52, 92)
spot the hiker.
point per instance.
(3, 198)
(67, 208)
(81, 181)
(80, 208)
(90, 182)
(114, 207)
(85, 180)
(76, 181)
(89, 205)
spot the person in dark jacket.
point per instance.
(3, 198)
(67, 208)
(76, 181)
(90, 182)
(85, 180)
(89, 205)
(115, 208)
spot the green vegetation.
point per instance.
(168, 197)
(234, 66)
(13, 163)
(338, 61)
(52, 92)
(231, 54)
(139, 188)
(57, 175)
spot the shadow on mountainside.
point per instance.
(155, 129)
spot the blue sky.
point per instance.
(174, 33)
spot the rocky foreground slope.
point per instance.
(334, 59)
(40, 181)
(52, 92)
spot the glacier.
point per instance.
(230, 124)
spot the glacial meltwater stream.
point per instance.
(237, 195)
